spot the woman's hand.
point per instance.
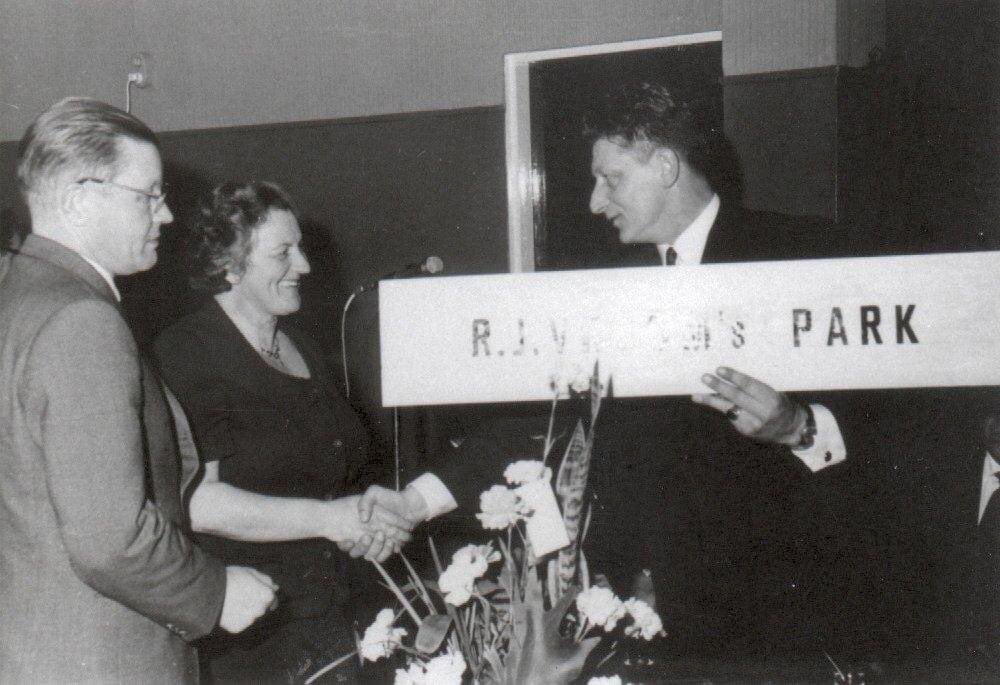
(376, 539)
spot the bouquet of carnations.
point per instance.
(499, 613)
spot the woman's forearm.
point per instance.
(226, 511)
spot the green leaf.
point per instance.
(571, 487)
(432, 632)
(544, 655)
(492, 657)
(487, 587)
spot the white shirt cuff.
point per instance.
(435, 493)
(828, 444)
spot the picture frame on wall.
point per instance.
(548, 160)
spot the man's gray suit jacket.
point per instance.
(98, 581)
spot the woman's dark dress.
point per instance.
(272, 434)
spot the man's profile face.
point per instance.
(629, 190)
(127, 222)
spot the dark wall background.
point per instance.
(941, 102)
(904, 149)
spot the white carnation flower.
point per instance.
(456, 582)
(601, 607)
(414, 675)
(500, 507)
(380, 639)
(467, 565)
(527, 471)
(478, 556)
(446, 669)
(647, 621)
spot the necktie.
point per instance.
(988, 552)
(671, 257)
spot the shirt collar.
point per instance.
(991, 465)
(105, 274)
(690, 244)
(989, 483)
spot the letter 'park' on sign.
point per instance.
(874, 322)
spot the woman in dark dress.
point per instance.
(281, 449)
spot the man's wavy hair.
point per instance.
(639, 113)
(221, 233)
(75, 134)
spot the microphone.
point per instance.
(431, 265)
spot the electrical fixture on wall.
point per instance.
(138, 76)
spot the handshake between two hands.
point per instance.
(376, 524)
(373, 526)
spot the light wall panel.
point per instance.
(236, 62)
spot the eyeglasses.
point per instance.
(156, 200)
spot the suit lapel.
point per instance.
(726, 238)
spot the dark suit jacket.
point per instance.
(752, 554)
(728, 526)
(951, 508)
(98, 581)
(944, 470)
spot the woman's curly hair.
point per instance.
(221, 234)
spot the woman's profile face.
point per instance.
(270, 281)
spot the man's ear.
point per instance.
(669, 164)
(74, 203)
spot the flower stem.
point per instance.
(419, 584)
(329, 667)
(463, 637)
(399, 593)
(434, 555)
(548, 433)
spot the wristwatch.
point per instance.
(807, 437)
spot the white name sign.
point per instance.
(883, 322)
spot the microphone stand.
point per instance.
(343, 339)
(431, 265)
(347, 382)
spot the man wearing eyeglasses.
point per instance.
(98, 581)
(140, 239)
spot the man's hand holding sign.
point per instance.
(756, 409)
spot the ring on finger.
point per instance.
(733, 413)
